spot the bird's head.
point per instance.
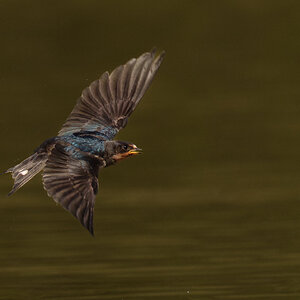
(117, 150)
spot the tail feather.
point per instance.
(27, 169)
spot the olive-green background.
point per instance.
(211, 210)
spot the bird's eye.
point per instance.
(124, 147)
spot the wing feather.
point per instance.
(108, 102)
(72, 183)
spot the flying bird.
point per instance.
(85, 144)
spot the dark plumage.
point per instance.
(71, 160)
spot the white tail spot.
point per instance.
(24, 172)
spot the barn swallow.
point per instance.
(85, 144)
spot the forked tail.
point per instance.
(27, 169)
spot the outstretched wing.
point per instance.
(104, 106)
(73, 183)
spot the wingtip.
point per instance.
(6, 172)
(10, 193)
(153, 52)
(160, 57)
(162, 53)
(91, 231)
(158, 60)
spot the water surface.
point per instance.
(211, 209)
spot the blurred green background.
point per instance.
(211, 209)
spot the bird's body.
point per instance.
(71, 160)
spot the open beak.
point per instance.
(135, 151)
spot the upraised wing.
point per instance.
(73, 183)
(104, 106)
